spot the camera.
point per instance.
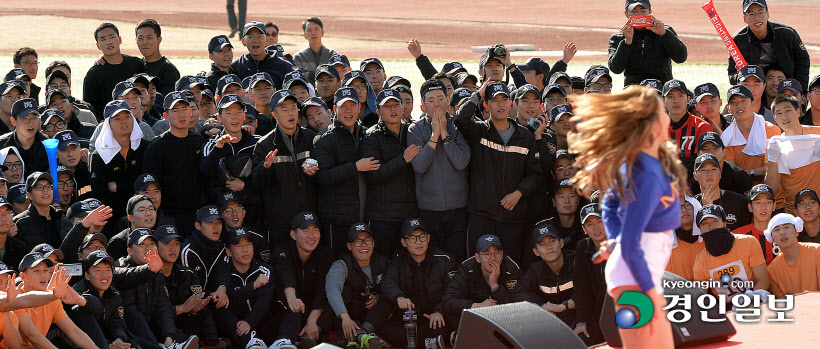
(497, 50)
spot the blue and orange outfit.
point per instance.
(652, 208)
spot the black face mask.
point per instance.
(718, 241)
(686, 235)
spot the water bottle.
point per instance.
(410, 318)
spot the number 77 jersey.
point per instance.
(685, 133)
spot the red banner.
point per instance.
(724, 35)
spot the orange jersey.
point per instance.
(682, 258)
(42, 317)
(800, 178)
(737, 264)
(802, 276)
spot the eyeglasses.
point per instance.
(59, 125)
(273, 34)
(359, 87)
(13, 98)
(686, 206)
(63, 185)
(28, 120)
(565, 168)
(145, 210)
(811, 204)
(230, 211)
(417, 238)
(554, 100)
(600, 87)
(754, 15)
(370, 73)
(42, 187)
(30, 63)
(255, 37)
(367, 241)
(14, 165)
(55, 86)
(488, 255)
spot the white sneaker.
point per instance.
(191, 343)
(282, 343)
(255, 343)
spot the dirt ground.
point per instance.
(448, 28)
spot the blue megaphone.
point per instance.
(51, 151)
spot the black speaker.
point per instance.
(686, 334)
(514, 326)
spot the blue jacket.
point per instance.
(245, 66)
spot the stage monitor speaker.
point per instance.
(686, 334)
(514, 326)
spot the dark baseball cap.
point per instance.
(345, 94)
(791, 85)
(166, 233)
(133, 201)
(122, 88)
(32, 259)
(234, 236)
(66, 138)
(563, 153)
(485, 241)
(749, 71)
(47, 250)
(252, 25)
(4, 202)
(5, 269)
(145, 79)
(95, 258)
(302, 220)
(710, 137)
(227, 100)
(553, 88)
(328, 69)
(459, 95)
(541, 230)
(707, 89)
(173, 98)
(206, 93)
(311, 102)
(748, 3)
(53, 92)
(17, 193)
(527, 88)
(224, 199)
(387, 94)
(558, 111)
(187, 82)
(78, 209)
(497, 88)
(16, 74)
(653, 83)
(347, 79)
(564, 183)
(799, 195)
(57, 73)
(143, 181)
(225, 81)
(256, 78)
(370, 61)
(739, 90)
(396, 80)
(250, 111)
(137, 236)
(276, 49)
(91, 237)
(560, 75)
(36, 176)
(7, 86)
(279, 97)
(704, 158)
(356, 228)
(432, 85)
(24, 107)
(453, 68)
(462, 77)
(594, 73)
(208, 214)
(761, 189)
(410, 225)
(339, 59)
(294, 78)
(49, 114)
(246, 83)
(537, 64)
(674, 84)
(710, 211)
(218, 42)
(814, 81)
(631, 4)
(589, 210)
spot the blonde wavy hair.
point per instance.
(610, 132)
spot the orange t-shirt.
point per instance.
(14, 322)
(802, 276)
(680, 262)
(800, 178)
(735, 155)
(42, 317)
(738, 263)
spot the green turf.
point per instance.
(691, 73)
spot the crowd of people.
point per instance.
(283, 200)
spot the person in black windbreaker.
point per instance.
(644, 53)
(416, 279)
(204, 252)
(14, 248)
(486, 279)
(258, 59)
(503, 168)
(251, 290)
(341, 183)
(41, 223)
(548, 282)
(233, 216)
(391, 189)
(287, 184)
(301, 267)
(104, 302)
(367, 97)
(588, 279)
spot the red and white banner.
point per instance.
(640, 21)
(724, 35)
